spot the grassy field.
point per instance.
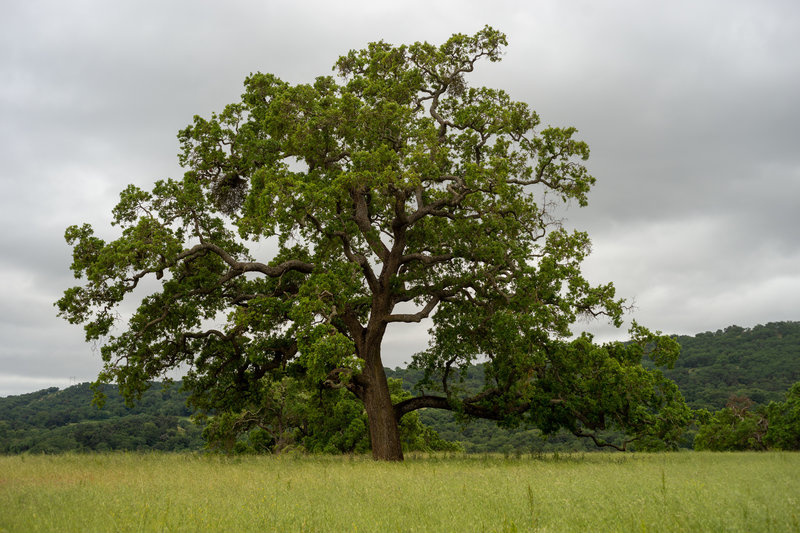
(587, 492)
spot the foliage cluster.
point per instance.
(293, 418)
(741, 426)
(758, 363)
(486, 436)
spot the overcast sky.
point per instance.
(691, 109)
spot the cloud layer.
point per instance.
(690, 109)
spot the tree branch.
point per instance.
(442, 402)
(361, 218)
(418, 316)
(249, 266)
(601, 443)
(426, 259)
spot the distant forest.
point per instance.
(759, 363)
(53, 420)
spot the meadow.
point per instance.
(687, 491)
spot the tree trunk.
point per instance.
(383, 431)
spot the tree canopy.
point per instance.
(389, 193)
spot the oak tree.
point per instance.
(312, 217)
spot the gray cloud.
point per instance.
(690, 109)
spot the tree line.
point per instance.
(324, 420)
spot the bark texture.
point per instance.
(384, 433)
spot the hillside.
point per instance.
(760, 362)
(53, 420)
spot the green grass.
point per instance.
(586, 492)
